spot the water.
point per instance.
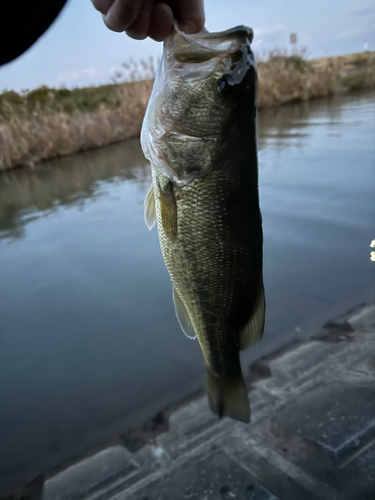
(89, 343)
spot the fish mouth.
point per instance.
(203, 47)
(201, 81)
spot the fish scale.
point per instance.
(200, 137)
(205, 260)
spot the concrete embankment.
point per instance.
(311, 436)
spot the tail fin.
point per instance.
(228, 396)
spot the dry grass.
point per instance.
(292, 78)
(30, 136)
(47, 123)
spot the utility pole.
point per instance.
(293, 38)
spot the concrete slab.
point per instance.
(91, 474)
(355, 478)
(332, 415)
(363, 318)
(210, 476)
(311, 437)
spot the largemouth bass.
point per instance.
(199, 134)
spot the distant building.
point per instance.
(365, 46)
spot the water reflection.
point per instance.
(285, 126)
(90, 344)
(27, 194)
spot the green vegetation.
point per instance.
(364, 79)
(47, 122)
(61, 100)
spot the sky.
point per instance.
(78, 50)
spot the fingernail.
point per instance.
(188, 28)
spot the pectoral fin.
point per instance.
(149, 213)
(168, 210)
(253, 330)
(183, 316)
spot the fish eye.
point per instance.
(224, 84)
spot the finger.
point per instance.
(139, 29)
(122, 14)
(189, 14)
(102, 5)
(161, 22)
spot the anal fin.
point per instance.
(253, 330)
(183, 316)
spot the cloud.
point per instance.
(277, 28)
(268, 35)
(351, 33)
(81, 74)
(91, 76)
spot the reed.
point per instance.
(46, 123)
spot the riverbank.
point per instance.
(47, 123)
(311, 434)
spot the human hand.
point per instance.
(143, 18)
